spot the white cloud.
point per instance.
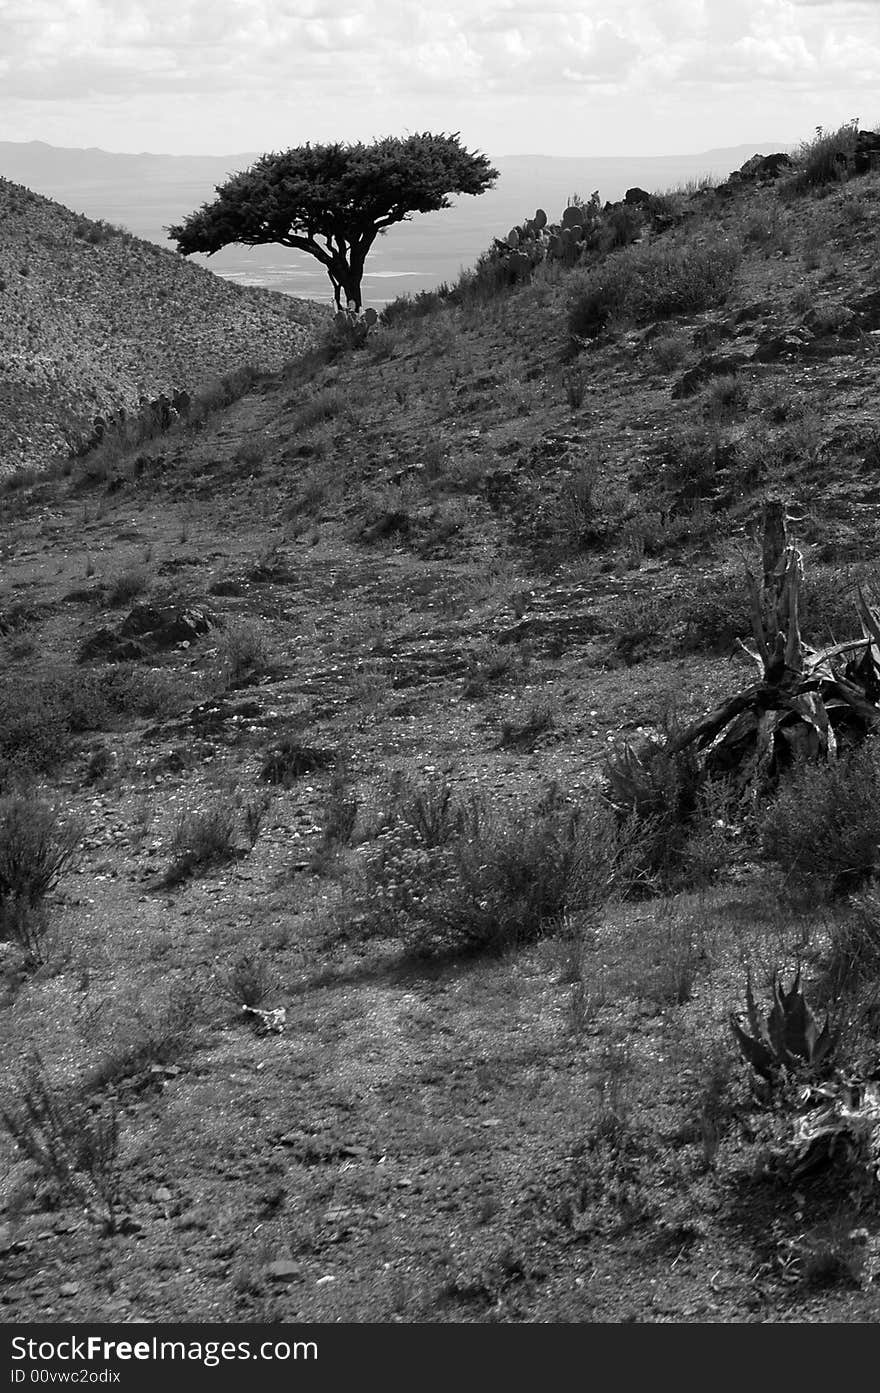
(516, 69)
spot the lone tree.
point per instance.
(332, 201)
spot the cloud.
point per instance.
(390, 60)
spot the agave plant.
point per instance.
(790, 1039)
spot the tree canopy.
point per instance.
(332, 201)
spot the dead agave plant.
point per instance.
(789, 1040)
(805, 702)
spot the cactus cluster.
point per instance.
(537, 240)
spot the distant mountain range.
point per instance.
(145, 193)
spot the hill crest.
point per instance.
(94, 319)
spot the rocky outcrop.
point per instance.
(866, 154)
(714, 365)
(146, 630)
(760, 169)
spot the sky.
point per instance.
(556, 77)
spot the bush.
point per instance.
(675, 817)
(222, 391)
(125, 586)
(73, 1144)
(34, 731)
(323, 405)
(406, 308)
(700, 464)
(36, 849)
(203, 838)
(824, 824)
(471, 879)
(854, 947)
(825, 159)
(654, 282)
(669, 351)
(243, 652)
(715, 614)
(248, 979)
(42, 711)
(136, 1031)
(291, 758)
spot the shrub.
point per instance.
(488, 662)
(73, 1144)
(340, 808)
(36, 848)
(473, 879)
(409, 307)
(203, 838)
(524, 734)
(715, 614)
(34, 731)
(825, 159)
(222, 391)
(696, 463)
(125, 586)
(854, 945)
(254, 809)
(669, 351)
(653, 282)
(242, 652)
(725, 396)
(135, 1034)
(575, 388)
(621, 225)
(506, 880)
(291, 758)
(674, 815)
(323, 405)
(248, 979)
(427, 809)
(824, 823)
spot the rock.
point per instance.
(830, 319)
(68, 1289)
(637, 197)
(708, 336)
(163, 1194)
(749, 313)
(759, 169)
(776, 347)
(147, 629)
(283, 1270)
(765, 167)
(867, 311)
(866, 155)
(715, 365)
(802, 343)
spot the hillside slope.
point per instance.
(325, 688)
(93, 319)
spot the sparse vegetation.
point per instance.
(824, 824)
(244, 652)
(72, 1143)
(203, 838)
(382, 905)
(655, 282)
